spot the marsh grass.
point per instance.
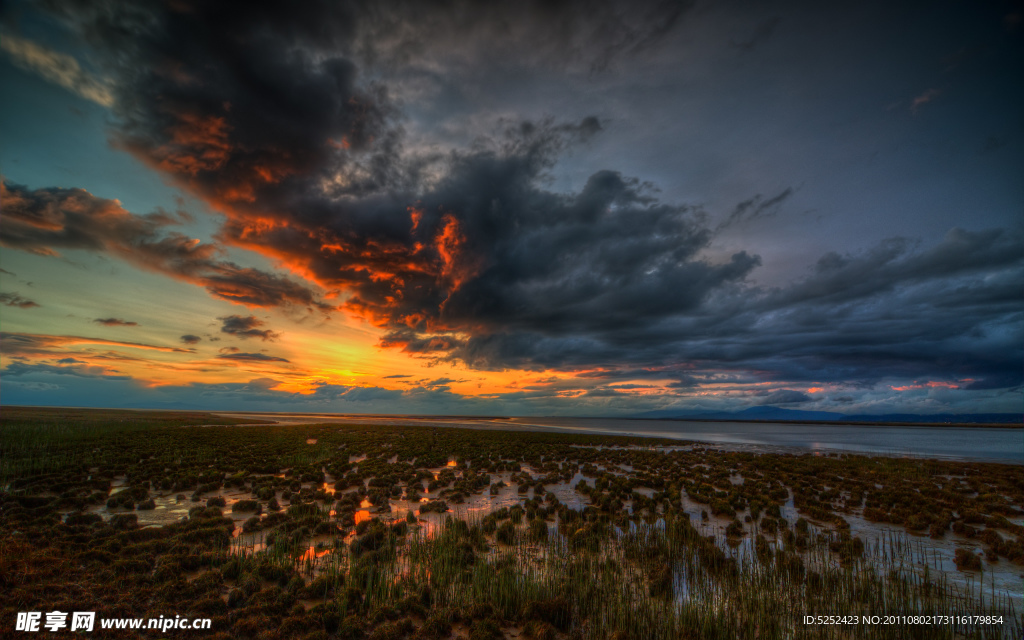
(35, 440)
(627, 562)
(612, 588)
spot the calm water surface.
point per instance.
(960, 443)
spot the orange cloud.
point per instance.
(38, 220)
(27, 343)
(931, 384)
(198, 143)
(456, 266)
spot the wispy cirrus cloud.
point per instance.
(58, 68)
(251, 357)
(27, 343)
(923, 99)
(44, 221)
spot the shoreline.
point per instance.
(668, 440)
(969, 443)
(478, 418)
(511, 419)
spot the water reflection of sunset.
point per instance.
(313, 553)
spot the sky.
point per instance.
(513, 208)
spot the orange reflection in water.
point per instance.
(312, 553)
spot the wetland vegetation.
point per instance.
(386, 532)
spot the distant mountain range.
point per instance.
(763, 413)
(767, 413)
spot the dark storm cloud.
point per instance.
(43, 221)
(246, 327)
(841, 278)
(485, 248)
(588, 36)
(272, 126)
(529, 259)
(241, 101)
(115, 322)
(948, 312)
(190, 339)
(266, 113)
(410, 342)
(251, 357)
(261, 112)
(15, 300)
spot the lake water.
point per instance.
(950, 443)
(956, 443)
